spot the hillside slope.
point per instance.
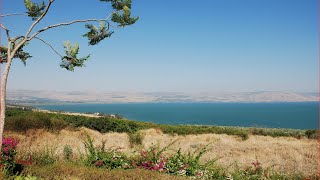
(285, 154)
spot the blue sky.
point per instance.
(185, 46)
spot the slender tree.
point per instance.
(118, 18)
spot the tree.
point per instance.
(121, 16)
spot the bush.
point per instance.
(57, 124)
(8, 153)
(151, 159)
(102, 158)
(135, 138)
(22, 123)
(67, 152)
(312, 134)
(187, 129)
(178, 163)
(33, 120)
(43, 156)
(256, 171)
(274, 132)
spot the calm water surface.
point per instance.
(277, 115)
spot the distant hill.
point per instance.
(52, 97)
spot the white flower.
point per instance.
(182, 172)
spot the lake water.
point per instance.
(276, 115)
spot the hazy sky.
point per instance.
(186, 46)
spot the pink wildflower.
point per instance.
(99, 163)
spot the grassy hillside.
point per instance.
(59, 146)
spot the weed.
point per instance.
(135, 138)
(67, 152)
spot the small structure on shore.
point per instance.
(98, 114)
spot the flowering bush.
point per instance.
(257, 167)
(178, 163)
(8, 153)
(254, 170)
(100, 157)
(153, 159)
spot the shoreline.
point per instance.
(66, 113)
(187, 125)
(249, 115)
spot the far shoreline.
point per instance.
(159, 102)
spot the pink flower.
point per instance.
(256, 164)
(99, 163)
(199, 173)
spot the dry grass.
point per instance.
(284, 154)
(67, 171)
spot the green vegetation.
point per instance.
(135, 138)
(152, 163)
(67, 152)
(76, 171)
(22, 120)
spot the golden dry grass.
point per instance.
(75, 172)
(282, 153)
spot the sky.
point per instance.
(177, 46)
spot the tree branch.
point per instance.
(15, 39)
(39, 19)
(25, 39)
(13, 14)
(73, 22)
(49, 46)
(7, 31)
(112, 14)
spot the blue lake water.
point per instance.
(275, 115)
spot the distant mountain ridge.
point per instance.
(40, 97)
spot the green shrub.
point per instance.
(22, 123)
(102, 158)
(187, 129)
(57, 124)
(178, 163)
(67, 152)
(274, 132)
(312, 134)
(135, 138)
(257, 171)
(44, 156)
(34, 120)
(189, 164)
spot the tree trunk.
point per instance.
(3, 97)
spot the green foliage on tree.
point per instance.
(70, 60)
(20, 54)
(35, 10)
(121, 16)
(125, 18)
(95, 35)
